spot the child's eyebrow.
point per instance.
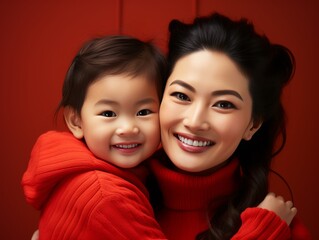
(106, 101)
(146, 101)
(111, 102)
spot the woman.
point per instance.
(220, 117)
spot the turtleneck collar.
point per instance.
(182, 191)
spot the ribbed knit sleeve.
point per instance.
(127, 215)
(96, 205)
(258, 223)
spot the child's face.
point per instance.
(205, 112)
(119, 119)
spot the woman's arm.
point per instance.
(272, 219)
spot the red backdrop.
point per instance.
(39, 39)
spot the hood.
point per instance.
(55, 157)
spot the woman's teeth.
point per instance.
(194, 143)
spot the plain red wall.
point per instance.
(39, 39)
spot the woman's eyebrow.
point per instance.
(227, 92)
(183, 84)
(215, 93)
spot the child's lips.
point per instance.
(127, 147)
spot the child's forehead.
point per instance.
(123, 85)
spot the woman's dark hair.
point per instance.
(268, 67)
(111, 55)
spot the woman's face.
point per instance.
(205, 112)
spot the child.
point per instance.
(111, 97)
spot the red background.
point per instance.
(39, 39)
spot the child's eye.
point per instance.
(108, 114)
(180, 96)
(224, 105)
(144, 112)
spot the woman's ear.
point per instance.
(73, 121)
(251, 130)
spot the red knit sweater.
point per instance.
(186, 198)
(81, 197)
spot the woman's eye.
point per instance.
(225, 105)
(144, 112)
(108, 114)
(181, 96)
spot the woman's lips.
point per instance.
(193, 144)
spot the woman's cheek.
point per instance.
(233, 127)
(167, 112)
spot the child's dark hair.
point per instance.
(111, 55)
(268, 67)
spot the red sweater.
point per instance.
(81, 197)
(186, 198)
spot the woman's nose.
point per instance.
(196, 119)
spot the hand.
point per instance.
(284, 209)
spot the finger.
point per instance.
(280, 198)
(294, 210)
(292, 214)
(271, 194)
(289, 204)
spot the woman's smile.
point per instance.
(192, 144)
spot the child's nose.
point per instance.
(128, 128)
